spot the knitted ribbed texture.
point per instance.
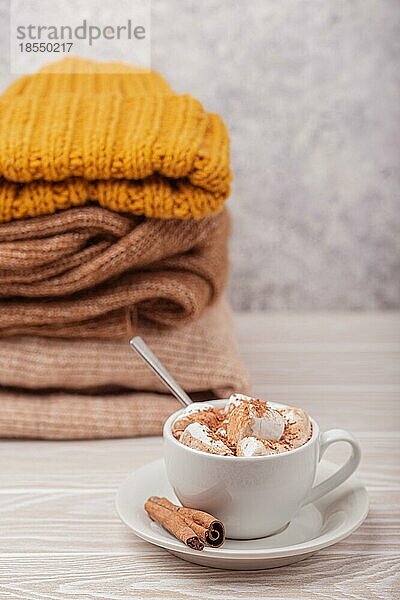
(122, 139)
(66, 389)
(90, 272)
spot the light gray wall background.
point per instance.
(311, 94)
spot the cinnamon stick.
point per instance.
(173, 523)
(210, 530)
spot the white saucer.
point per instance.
(316, 526)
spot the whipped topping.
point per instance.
(201, 437)
(250, 446)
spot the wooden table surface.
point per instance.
(59, 533)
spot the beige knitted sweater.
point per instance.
(70, 389)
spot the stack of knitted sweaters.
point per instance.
(111, 224)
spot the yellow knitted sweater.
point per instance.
(122, 139)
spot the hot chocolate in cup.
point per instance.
(253, 496)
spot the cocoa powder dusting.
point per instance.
(211, 417)
(229, 429)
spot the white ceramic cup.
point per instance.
(254, 496)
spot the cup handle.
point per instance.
(326, 439)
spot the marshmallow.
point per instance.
(245, 427)
(235, 400)
(201, 437)
(221, 432)
(298, 426)
(251, 446)
(269, 426)
(254, 419)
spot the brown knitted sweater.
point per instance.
(90, 272)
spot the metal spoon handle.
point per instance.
(158, 368)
